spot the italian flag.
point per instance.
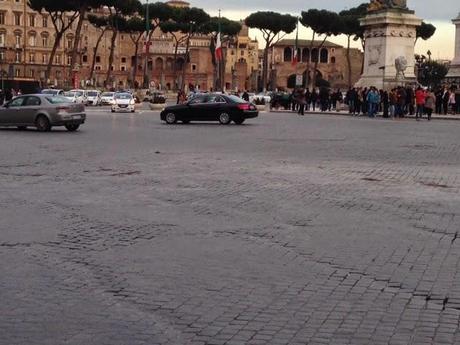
(295, 57)
(219, 55)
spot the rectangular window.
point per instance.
(45, 21)
(123, 60)
(69, 43)
(98, 59)
(57, 59)
(69, 59)
(45, 41)
(2, 39)
(17, 57)
(85, 58)
(18, 41)
(32, 57)
(2, 18)
(17, 73)
(17, 19)
(2, 56)
(45, 59)
(31, 73)
(31, 20)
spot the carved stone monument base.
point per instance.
(390, 36)
(454, 70)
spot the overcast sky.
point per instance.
(438, 12)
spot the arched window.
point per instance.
(287, 54)
(305, 54)
(333, 59)
(324, 56)
(169, 64)
(159, 64)
(314, 55)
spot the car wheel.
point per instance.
(239, 121)
(43, 124)
(224, 119)
(132, 111)
(21, 128)
(171, 118)
(72, 127)
(113, 111)
(185, 122)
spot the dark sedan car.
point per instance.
(211, 107)
(42, 111)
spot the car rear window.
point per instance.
(92, 93)
(107, 94)
(123, 96)
(57, 100)
(50, 92)
(236, 99)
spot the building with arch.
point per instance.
(331, 60)
(27, 37)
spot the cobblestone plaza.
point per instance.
(286, 230)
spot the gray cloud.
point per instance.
(441, 10)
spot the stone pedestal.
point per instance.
(454, 70)
(390, 35)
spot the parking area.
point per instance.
(285, 230)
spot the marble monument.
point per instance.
(454, 70)
(390, 33)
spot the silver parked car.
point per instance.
(42, 111)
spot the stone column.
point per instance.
(454, 69)
(390, 35)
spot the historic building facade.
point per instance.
(27, 38)
(331, 62)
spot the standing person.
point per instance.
(445, 100)
(307, 99)
(359, 101)
(364, 102)
(410, 100)
(439, 94)
(452, 101)
(393, 100)
(292, 97)
(2, 97)
(420, 97)
(430, 103)
(314, 98)
(373, 100)
(385, 102)
(245, 96)
(8, 95)
(401, 101)
(323, 98)
(301, 101)
(338, 100)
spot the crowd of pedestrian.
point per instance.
(395, 103)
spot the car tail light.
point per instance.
(244, 106)
(63, 109)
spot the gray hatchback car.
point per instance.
(43, 112)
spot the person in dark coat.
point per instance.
(8, 95)
(245, 96)
(2, 97)
(438, 95)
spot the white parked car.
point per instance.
(108, 98)
(260, 96)
(81, 96)
(53, 92)
(73, 97)
(93, 97)
(124, 101)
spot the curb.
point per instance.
(333, 113)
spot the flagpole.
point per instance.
(146, 46)
(221, 82)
